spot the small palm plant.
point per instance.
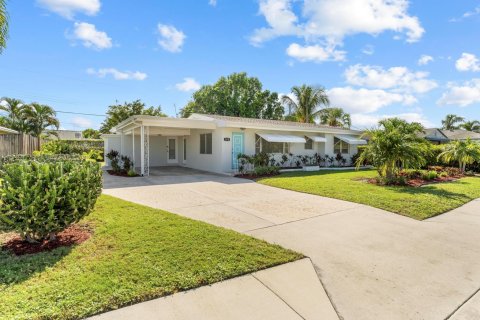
(396, 144)
(464, 151)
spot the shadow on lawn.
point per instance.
(16, 269)
(432, 190)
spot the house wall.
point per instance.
(208, 162)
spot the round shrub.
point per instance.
(40, 197)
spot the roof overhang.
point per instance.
(351, 139)
(270, 137)
(164, 122)
(317, 138)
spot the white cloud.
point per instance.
(82, 122)
(188, 84)
(91, 37)
(117, 75)
(68, 8)
(314, 53)
(467, 14)
(330, 21)
(468, 62)
(213, 3)
(366, 100)
(424, 60)
(171, 39)
(462, 95)
(360, 120)
(368, 50)
(397, 78)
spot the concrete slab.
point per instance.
(469, 311)
(290, 291)
(298, 285)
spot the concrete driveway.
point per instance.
(372, 263)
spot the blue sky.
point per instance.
(415, 59)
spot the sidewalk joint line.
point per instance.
(462, 304)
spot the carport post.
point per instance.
(144, 151)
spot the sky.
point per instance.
(418, 60)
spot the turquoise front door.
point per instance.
(237, 148)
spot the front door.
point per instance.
(237, 148)
(172, 154)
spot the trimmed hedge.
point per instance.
(41, 196)
(80, 147)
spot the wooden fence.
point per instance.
(18, 144)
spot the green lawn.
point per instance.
(136, 253)
(418, 203)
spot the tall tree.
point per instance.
(3, 25)
(464, 151)
(40, 117)
(236, 95)
(120, 112)
(451, 122)
(335, 117)
(91, 134)
(393, 145)
(306, 106)
(14, 118)
(471, 125)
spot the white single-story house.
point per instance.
(212, 142)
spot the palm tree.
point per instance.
(451, 121)
(335, 117)
(395, 144)
(39, 118)
(3, 25)
(305, 106)
(464, 151)
(14, 119)
(471, 125)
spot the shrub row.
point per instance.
(91, 149)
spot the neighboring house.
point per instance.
(439, 136)
(65, 134)
(212, 142)
(4, 130)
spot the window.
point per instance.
(184, 149)
(340, 146)
(206, 143)
(308, 144)
(262, 145)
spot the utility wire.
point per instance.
(83, 114)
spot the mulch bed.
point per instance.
(121, 174)
(420, 182)
(254, 177)
(73, 235)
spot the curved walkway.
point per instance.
(372, 263)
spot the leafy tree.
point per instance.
(464, 151)
(120, 112)
(91, 134)
(14, 118)
(39, 117)
(451, 122)
(335, 117)
(393, 145)
(236, 95)
(306, 105)
(471, 125)
(3, 25)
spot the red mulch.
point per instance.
(420, 182)
(73, 235)
(121, 174)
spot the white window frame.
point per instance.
(341, 144)
(203, 140)
(259, 140)
(308, 140)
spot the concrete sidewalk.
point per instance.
(290, 291)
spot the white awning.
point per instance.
(351, 139)
(317, 139)
(282, 138)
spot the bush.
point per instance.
(41, 196)
(113, 156)
(266, 171)
(429, 175)
(78, 147)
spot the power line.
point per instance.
(83, 114)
